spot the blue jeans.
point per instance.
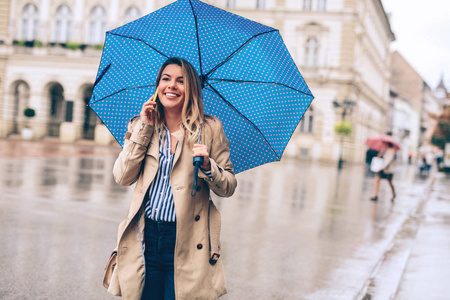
(159, 238)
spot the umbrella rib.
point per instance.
(121, 90)
(198, 38)
(256, 82)
(244, 117)
(237, 50)
(136, 39)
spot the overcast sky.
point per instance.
(422, 30)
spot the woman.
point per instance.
(168, 247)
(387, 170)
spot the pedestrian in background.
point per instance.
(370, 154)
(168, 247)
(387, 170)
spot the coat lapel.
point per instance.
(154, 151)
(179, 135)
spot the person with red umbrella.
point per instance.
(387, 147)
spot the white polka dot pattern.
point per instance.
(250, 81)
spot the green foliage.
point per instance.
(98, 46)
(72, 45)
(29, 112)
(30, 44)
(343, 128)
(38, 44)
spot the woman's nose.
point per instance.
(172, 84)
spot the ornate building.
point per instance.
(341, 47)
(52, 50)
(415, 107)
(342, 50)
(4, 14)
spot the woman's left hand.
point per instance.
(202, 150)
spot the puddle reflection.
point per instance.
(71, 178)
(290, 230)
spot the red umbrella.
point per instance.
(378, 142)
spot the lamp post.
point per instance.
(346, 106)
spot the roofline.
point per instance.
(386, 18)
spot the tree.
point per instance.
(441, 134)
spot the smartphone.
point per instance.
(156, 95)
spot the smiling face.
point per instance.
(171, 88)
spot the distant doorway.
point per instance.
(90, 118)
(57, 109)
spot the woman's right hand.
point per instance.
(148, 111)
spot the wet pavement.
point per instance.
(293, 230)
(427, 271)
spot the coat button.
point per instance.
(199, 188)
(199, 246)
(197, 218)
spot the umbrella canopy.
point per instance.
(378, 142)
(249, 80)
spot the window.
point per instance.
(30, 18)
(56, 100)
(311, 52)
(97, 25)
(260, 4)
(307, 4)
(231, 4)
(132, 14)
(63, 24)
(307, 122)
(304, 152)
(21, 98)
(321, 5)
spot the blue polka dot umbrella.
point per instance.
(250, 81)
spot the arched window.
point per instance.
(307, 4)
(63, 24)
(321, 5)
(260, 4)
(307, 122)
(97, 25)
(132, 14)
(30, 19)
(311, 51)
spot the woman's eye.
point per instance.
(165, 79)
(180, 81)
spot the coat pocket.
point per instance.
(110, 278)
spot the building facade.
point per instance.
(53, 50)
(404, 123)
(415, 107)
(342, 50)
(341, 47)
(4, 22)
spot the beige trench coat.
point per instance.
(198, 270)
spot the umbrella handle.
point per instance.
(198, 160)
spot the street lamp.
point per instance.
(347, 106)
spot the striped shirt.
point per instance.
(159, 205)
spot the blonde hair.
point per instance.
(192, 114)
